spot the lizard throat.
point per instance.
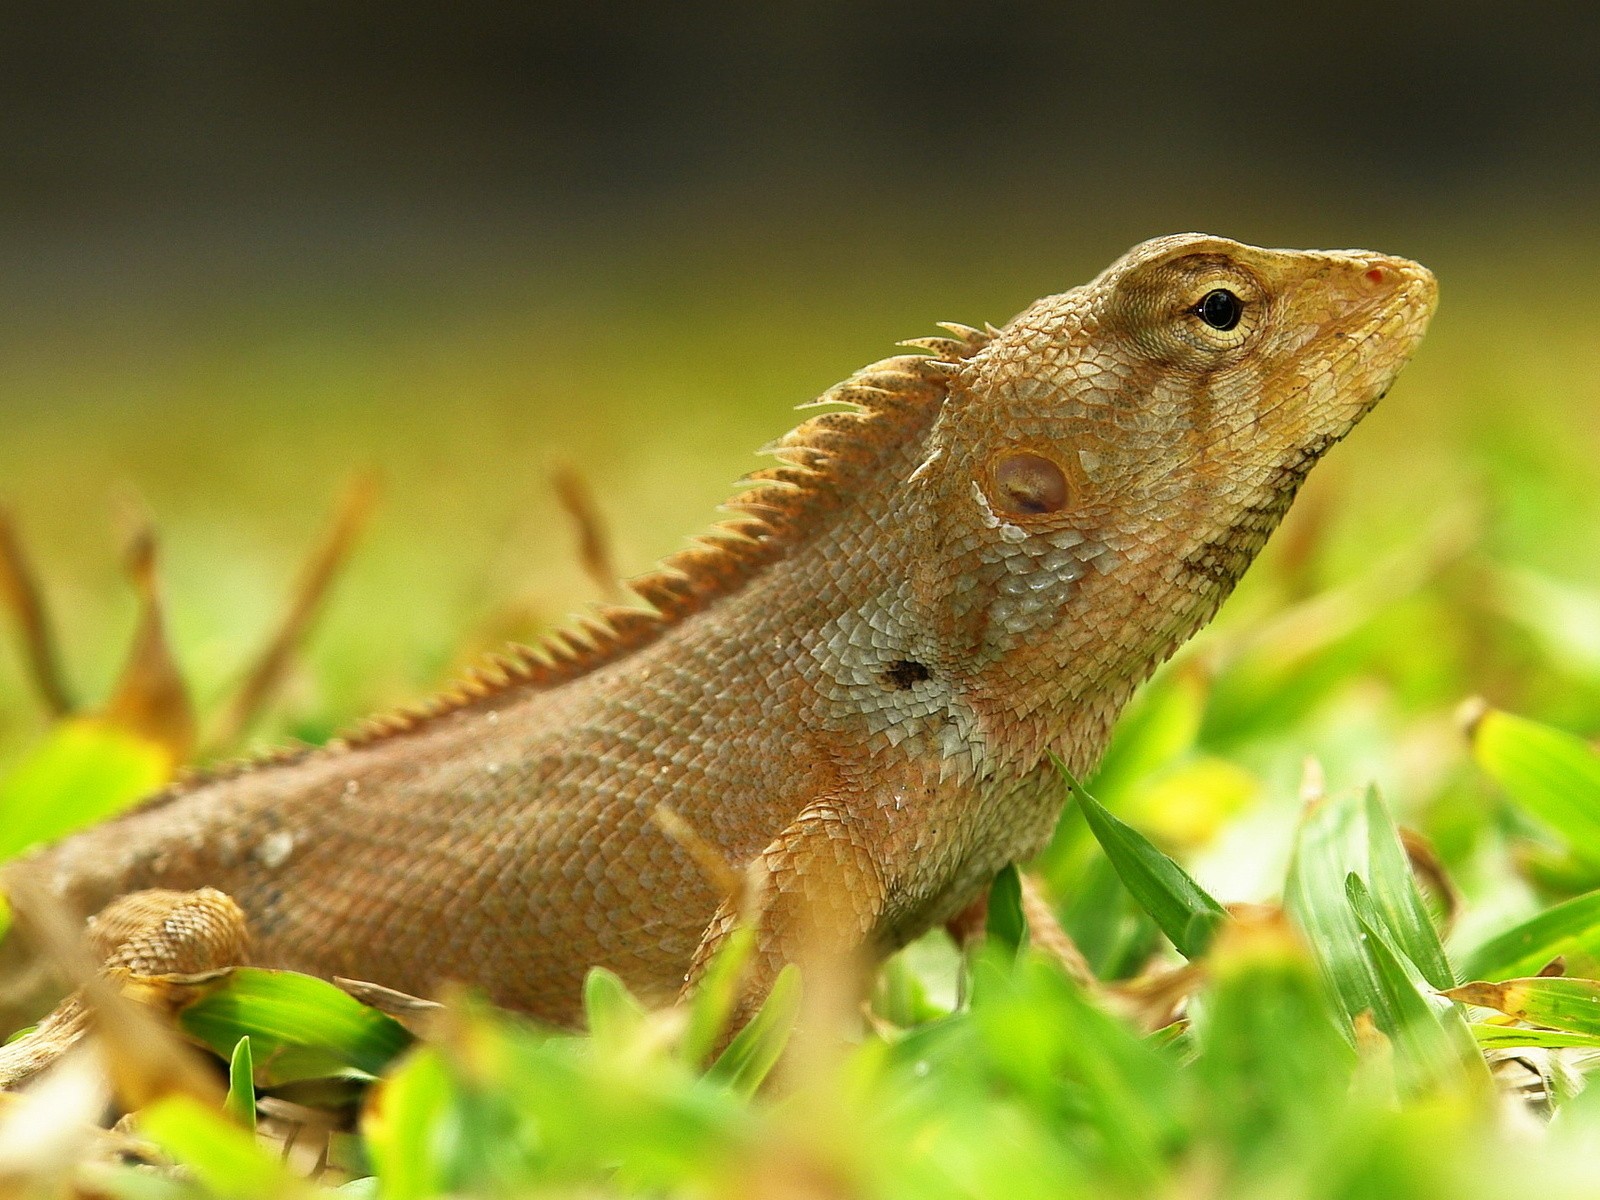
(1217, 563)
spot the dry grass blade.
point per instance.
(151, 698)
(1046, 933)
(727, 879)
(413, 1012)
(20, 592)
(265, 677)
(1431, 874)
(49, 1130)
(594, 539)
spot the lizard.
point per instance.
(966, 564)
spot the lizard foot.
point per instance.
(134, 938)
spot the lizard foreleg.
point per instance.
(820, 896)
(135, 937)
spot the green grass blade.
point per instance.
(1004, 924)
(1394, 892)
(1570, 930)
(755, 1049)
(225, 1159)
(1349, 835)
(1433, 1046)
(240, 1102)
(1569, 1004)
(1514, 1037)
(1400, 996)
(1272, 1060)
(1041, 1040)
(1114, 933)
(716, 995)
(902, 998)
(300, 1027)
(83, 772)
(612, 1014)
(412, 1131)
(1182, 909)
(1549, 773)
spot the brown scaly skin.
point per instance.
(856, 681)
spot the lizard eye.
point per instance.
(1029, 485)
(1220, 309)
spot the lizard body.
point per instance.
(970, 562)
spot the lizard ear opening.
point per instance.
(1028, 484)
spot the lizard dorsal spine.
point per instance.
(820, 462)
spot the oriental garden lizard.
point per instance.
(966, 564)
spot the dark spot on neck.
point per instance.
(906, 672)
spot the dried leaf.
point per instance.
(412, 1012)
(594, 539)
(151, 699)
(20, 592)
(50, 1128)
(265, 677)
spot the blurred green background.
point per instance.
(246, 250)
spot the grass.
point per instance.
(1322, 899)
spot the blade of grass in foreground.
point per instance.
(1394, 893)
(409, 1134)
(755, 1049)
(610, 1011)
(1433, 1045)
(1271, 1059)
(223, 1158)
(1185, 911)
(83, 771)
(716, 996)
(1349, 835)
(1044, 1041)
(240, 1103)
(299, 1027)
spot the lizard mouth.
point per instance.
(1395, 320)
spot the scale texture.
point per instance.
(968, 560)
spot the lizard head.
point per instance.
(1109, 464)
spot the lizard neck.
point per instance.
(988, 645)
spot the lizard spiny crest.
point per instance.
(821, 461)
